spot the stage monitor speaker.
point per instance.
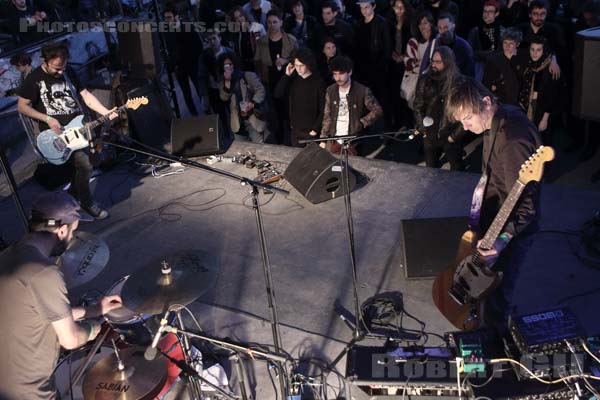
(317, 175)
(139, 51)
(150, 123)
(586, 85)
(197, 136)
(430, 244)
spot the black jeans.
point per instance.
(80, 185)
(453, 151)
(184, 74)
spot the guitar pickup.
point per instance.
(59, 144)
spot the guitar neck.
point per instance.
(103, 119)
(502, 216)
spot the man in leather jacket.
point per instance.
(430, 99)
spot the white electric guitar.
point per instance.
(76, 135)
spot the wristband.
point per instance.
(91, 335)
(505, 238)
(47, 119)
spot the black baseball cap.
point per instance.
(57, 208)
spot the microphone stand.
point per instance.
(12, 184)
(261, 235)
(358, 326)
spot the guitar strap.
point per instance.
(480, 189)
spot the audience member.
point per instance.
(336, 28)
(350, 107)
(22, 63)
(485, 38)
(500, 74)
(257, 10)
(243, 40)
(328, 53)
(430, 101)
(245, 96)
(462, 49)
(306, 95)
(303, 27)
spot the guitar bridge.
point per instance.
(59, 144)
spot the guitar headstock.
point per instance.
(136, 102)
(533, 168)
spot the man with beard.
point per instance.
(430, 99)
(537, 25)
(350, 107)
(485, 38)
(49, 95)
(37, 317)
(463, 52)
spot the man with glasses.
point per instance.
(431, 95)
(48, 95)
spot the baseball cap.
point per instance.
(57, 208)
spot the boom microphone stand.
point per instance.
(13, 185)
(358, 326)
(261, 235)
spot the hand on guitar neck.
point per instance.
(489, 256)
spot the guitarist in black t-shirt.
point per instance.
(48, 95)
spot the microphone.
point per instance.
(427, 122)
(150, 353)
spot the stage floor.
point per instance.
(308, 248)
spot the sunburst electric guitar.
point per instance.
(459, 289)
(76, 135)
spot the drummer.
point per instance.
(36, 317)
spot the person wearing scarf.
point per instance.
(537, 88)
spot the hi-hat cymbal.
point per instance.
(84, 259)
(180, 278)
(139, 378)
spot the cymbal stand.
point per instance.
(194, 385)
(262, 240)
(236, 351)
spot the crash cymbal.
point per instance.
(84, 259)
(180, 278)
(139, 378)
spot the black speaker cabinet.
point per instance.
(317, 175)
(139, 51)
(151, 122)
(586, 84)
(197, 136)
(430, 244)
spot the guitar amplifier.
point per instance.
(374, 373)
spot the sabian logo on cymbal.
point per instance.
(112, 387)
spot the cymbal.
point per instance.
(180, 278)
(139, 379)
(85, 257)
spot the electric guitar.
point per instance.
(76, 135)
(459, 289)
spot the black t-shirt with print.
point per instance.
(52, 95)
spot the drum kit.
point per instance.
(123, 362)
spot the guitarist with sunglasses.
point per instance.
(48, 95)
(509, 140)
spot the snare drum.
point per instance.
(133, 328)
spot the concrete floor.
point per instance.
(308, 248)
